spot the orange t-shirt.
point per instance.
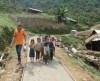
(19, 36)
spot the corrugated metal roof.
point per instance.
(71, 19)
(36, 10)
(97, 31)
(96, 39)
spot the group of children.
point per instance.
(44, 49)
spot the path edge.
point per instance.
(65, 68)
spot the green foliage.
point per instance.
(9, 6)
(5, 37)
(86, 66)
(60, 13)
(91, 69)
(6, 21)
(84, 11)
(75, 41)
(47, 30)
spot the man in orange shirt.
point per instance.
(19, 37)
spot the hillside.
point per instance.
(84, 11)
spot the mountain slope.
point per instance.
(84, 11)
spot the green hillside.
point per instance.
(84, 11)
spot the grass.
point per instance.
(6, 21)
(94, 73)
(0, 30)
(76, 41)
(46, 30)
(42, 15)
(52, 17)
(86, 66)
(90, 68)
(69, 40)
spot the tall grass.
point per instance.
(6, 21)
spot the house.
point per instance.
(93, 42)
(32, 10)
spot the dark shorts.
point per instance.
(31, 53)
(46, 58)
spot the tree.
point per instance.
(60, 12)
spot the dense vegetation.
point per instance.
(5, 37)
(47, 30)
(9, 6)
(84, 11)
(77, 42)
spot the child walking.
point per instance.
(54, 44)
(46, 53)
(42, 48)
(38, 49)
(31, 53)
(51, 49)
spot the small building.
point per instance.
(93, 42)
(32, 10)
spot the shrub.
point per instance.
(5, 37)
